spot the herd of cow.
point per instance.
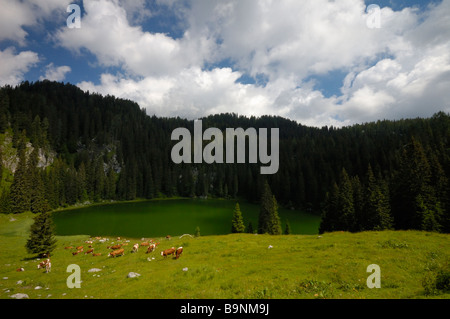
(116, 250)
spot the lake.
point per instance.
(158, 218)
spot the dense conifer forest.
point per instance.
(60, 146)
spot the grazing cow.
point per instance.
(151, 248)
(96, 254)
(115, 247)
(20, 269)
(135, 248)
(168, 252)
(145, 244)
(69, 247)
(75, 253)
(89, 251)
(168, 237)
(117, 252)
(47, 264)
(178, 252)
(79, 247)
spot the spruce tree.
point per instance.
(287, 230)
(269, 221)
(41, 239)
(346, 210)
(265, 209)
(19, 193)
(237, 223)
(250, 228)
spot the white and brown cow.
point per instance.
(178, 252)
(47, 264)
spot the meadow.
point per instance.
(249, 266)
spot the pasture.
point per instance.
(175, 217)
(228, 266)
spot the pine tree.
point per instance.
(287, 230)
(345, 208)
(41, 239)
(414, 201)
(19, 193)
(330, 213)
(237, 223)
(250, 228)
(275, 223)
(265, 209)
(269, 221)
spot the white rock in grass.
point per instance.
(19, 296)
(94, 270)
(133, 275)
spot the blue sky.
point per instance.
(318, 62)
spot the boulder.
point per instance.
(20, 296)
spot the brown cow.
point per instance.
(168, 252)
(117, 252)
(151, 248)
(69, 247)
(96, 254)
(89, 251)
(145, 244)
(115, 247)
(47, 264)
(178, 252)
(79, 247)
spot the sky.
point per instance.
(318, 62)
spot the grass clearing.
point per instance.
(232, 266)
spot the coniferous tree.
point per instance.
(269, 221)
(345, 207)
(287, 230)
(250, 228)
(265, 209)
(237, 223)
(414, 201)
(41, 240)
(19, 193)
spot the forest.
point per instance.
(60, 146)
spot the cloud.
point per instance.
(53, 73)
(15, 15)
(398, 70)
(14, 66)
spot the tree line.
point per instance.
(72, 146)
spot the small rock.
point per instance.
(94, 270)
(5, 278)
(20, 296)
(19, 282)
(270, 246)
(185, 269)
(133, 275)
(37, 287)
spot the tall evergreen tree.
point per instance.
(41, 240)
(345, 207)
(269, 221)
(19, 193)
(237, 222)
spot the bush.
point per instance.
(436, 282)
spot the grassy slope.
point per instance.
(231, 266)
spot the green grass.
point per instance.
(175, 217)
(232, 266)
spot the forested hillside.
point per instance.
(60, 145)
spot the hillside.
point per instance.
(103, 148)
(232, 266)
